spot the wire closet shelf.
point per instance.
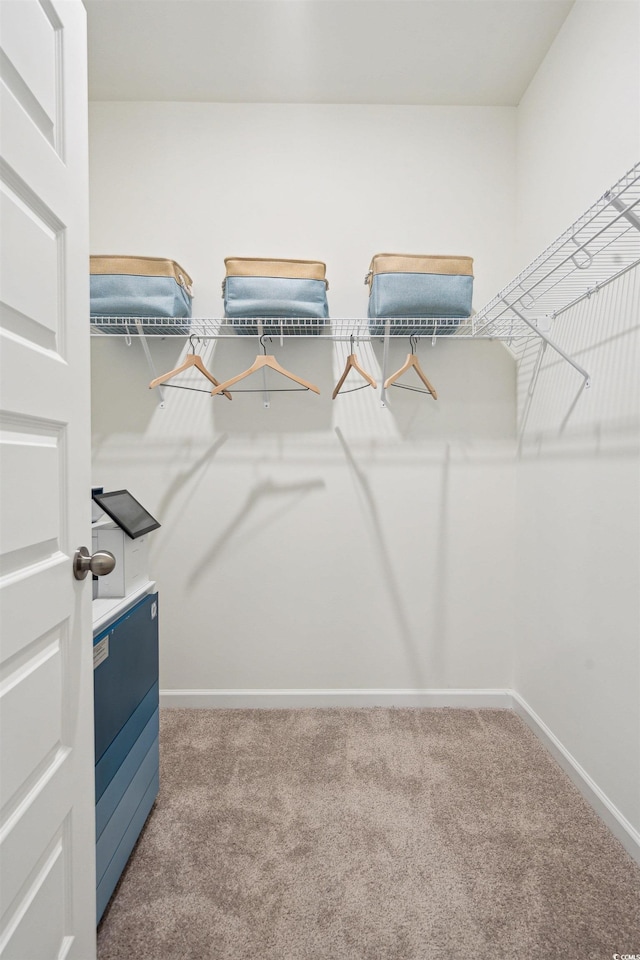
(207, 328)
(599, 247)
(602, 245)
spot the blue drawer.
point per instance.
(129, 671)
(107, 884)
(108, 802)
(126, 738)
(125, 811)
(114, 756)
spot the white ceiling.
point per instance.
(466, 52)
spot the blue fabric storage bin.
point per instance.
(437, 287)
(278, 289)
(246, 297)
(141, 287)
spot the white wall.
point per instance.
(316, 544)
(578, 515)
(198, 182)
(579, 120)
(578, 546)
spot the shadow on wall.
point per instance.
(287, 494)
(388, 573)
(187, 480)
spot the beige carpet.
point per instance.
(372, 834)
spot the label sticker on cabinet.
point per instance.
(100, 652)
(154, 610)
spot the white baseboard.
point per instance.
(288, 699)
(469, 699)
(606, 810)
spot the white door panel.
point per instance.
(34, 64)
(47, 868)
(27, 415)
(29, 201)
(40, 923)
(29, 834)
(31, 60)
(23, 229)
(32, 472)
(42, 168)
(21, 617)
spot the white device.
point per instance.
(132, 560)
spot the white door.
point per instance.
(47, 871)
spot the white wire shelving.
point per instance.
(599, 247)
(602, 245)
(207, 328)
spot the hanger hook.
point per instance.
(264, 349)
(413, 342)
(191, 344)
(351, 340)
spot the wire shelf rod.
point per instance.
(606, 239)
(597, 287)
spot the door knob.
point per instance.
(101, 563)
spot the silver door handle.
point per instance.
(101, 563)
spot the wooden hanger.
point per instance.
(352, 363)
(411, 361)
(268, 360)
(191, 360)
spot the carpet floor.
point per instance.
(368, 834)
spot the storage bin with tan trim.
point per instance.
(259, 287)
(409, 285)
(124, 286)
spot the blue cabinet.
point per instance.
(125, 680)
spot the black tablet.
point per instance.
(127, 512)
